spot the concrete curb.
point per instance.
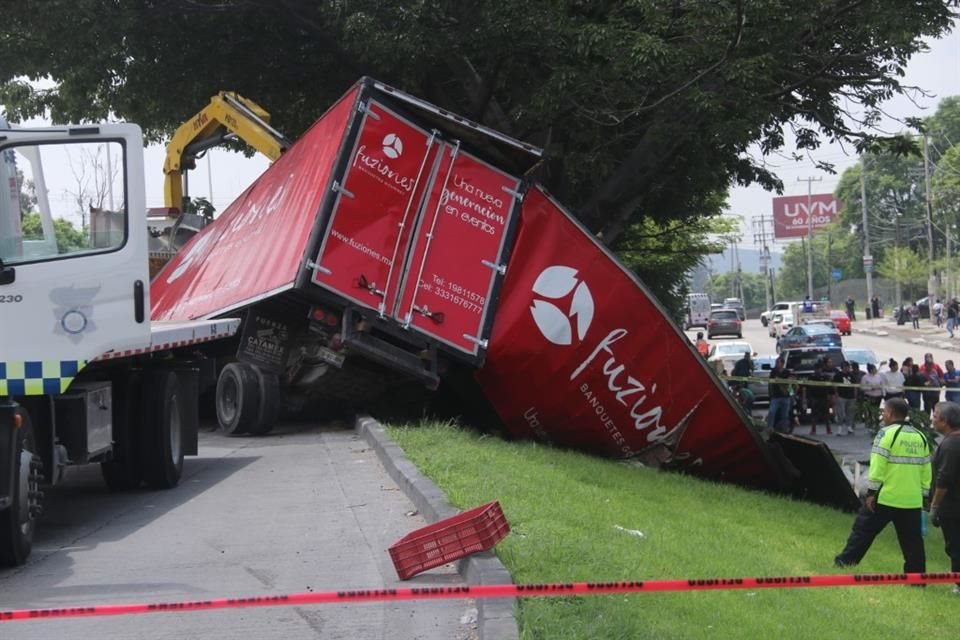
(495, 616)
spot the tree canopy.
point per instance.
(646, 108)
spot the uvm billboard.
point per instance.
(793, 215)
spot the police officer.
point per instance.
(945, 506)
(899, 487)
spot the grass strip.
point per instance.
(574, 517)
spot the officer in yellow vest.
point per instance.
(899, 488)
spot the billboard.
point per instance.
(791, 214)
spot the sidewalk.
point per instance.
(927, 335)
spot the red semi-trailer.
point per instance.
(395, 241)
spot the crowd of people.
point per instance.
(845, 396)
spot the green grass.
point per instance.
(564, 509)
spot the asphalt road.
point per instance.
(307, 508)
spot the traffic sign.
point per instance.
(837, 274)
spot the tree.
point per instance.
(662, 254)
(69, 239)
(904, 266)
(646, 108)
(719, 287)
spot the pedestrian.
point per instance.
(915, 316)
(951, 380)
(938, 312)
(742, 368)
(933, 380)
(845, 405)
(892, 381)
(778, 414)
(875, 303)
(872, 396)
(818, 396)
(851, 308)
(898, 488)
(953, 310)
(703, 347)
(913, 384)
(945, 503)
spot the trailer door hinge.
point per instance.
(480, 342)
(316, 267)
(338, 188)
(499, 268)
(364, 107)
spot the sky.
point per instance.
(937, 72)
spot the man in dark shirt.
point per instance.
(818, 397)
(945, 504)
(778, 416)
(845, 407)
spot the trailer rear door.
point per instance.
(458, 252)
(418, 231)
(376, 208)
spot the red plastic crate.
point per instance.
(447, 540)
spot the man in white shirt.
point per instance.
(892, 381)
(871, 395)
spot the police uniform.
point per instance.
(899, 481)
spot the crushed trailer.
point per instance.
(395, 241)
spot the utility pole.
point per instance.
(760, 237)
(931, 281)
(809, 182)
(867, 257)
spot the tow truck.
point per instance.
(85, 376)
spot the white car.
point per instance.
(727, 353)
(780, 323)
(766, 316)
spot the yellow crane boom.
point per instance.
(228, 116)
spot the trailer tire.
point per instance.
(269, 387)
(18, 522)
(161, 451)
(124, 471)
(238, 398)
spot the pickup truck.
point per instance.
(767, 315)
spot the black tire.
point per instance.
(124, 471)
(161, 449)
(764, 321)
(18, 522)
(740, 335)
(238, 398)
(269, 386)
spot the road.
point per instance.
(886, 347)
(307, 508)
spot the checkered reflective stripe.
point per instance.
(35, 378)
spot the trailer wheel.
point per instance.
(269, 388)
(124, 472)
(161, 450)
(238, 398)
(18, 522)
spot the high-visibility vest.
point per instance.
(900, 467)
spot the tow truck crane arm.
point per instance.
(228, 116)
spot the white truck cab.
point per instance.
(81, 373)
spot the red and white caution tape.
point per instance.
(486, 591)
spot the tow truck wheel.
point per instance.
(161, 450)
(269, 388)
(238, 398)
(17, 523)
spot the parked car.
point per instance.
(737, 305)
(727, 353)
(724, 322)
(861, 356)
(842, 322)
(715, 306)
(766, 316)
(781, 323)
(809, 335)
(761, 370)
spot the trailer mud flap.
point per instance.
(818, 477)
